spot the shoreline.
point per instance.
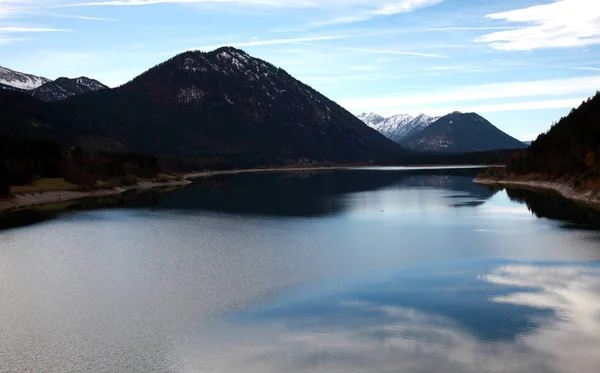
(48, 197)
(199, 175)
(23, 200)
(586, 197)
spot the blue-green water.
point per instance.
(346, 271)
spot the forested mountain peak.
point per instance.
(221, 104)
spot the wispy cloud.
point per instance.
(560, 24)
(380, 336)
(8, 40)
(337, 20)
(374, 51)
(360, 10)
(84, 18)
(397, 52)
(364, 68)
(19, 9)
(470, 28)
(375, 6)
(30, 29)
(567, 103)
(256, 43)
(581, 87)
(405, 6)
(376, 9)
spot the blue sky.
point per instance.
(522, 64)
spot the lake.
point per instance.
(376, 270)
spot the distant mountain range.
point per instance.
(397, 127)
(453, 133)
(223, 104)
(63, 88)
(46, 89)
(461, 132)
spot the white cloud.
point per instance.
(433, 109)
(8, 40)
(4, 40)
(364, 68)
(372, 6)
(385, 51)
(582, 87)
(339, 20)
(382, 337)
(84, 18)
(30, 29)
(256, 43)
(376, 8)
(360, 10)
(572, 293)
(19, 9)
(567, 103)
(563, 23)
(404, 6)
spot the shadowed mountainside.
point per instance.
(461, 132)
(222, 104)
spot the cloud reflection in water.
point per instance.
(514, 318)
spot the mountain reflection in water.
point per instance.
(317, 193)
(550, 205)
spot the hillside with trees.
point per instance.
(461, 132)
(569, 151)
(24, 161)
(222, 104)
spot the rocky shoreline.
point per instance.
(587, 197)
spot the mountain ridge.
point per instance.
(461, 132)
(63, 88)
(220, 104)
(45, 89)
(397, 127)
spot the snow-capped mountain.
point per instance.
(63, 88)
(371, 119)
(461, 132)
(397, 127)
(20, 81)
(46, 89)
(418, 124)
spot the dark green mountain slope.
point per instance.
(223, 104)
(461, 132)
(63, 88)
(569, 150)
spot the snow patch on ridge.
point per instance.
(191, 94)
(21, 80)
(397, 127)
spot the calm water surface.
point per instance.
(346, 271)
